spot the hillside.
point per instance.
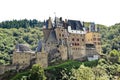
(29, 31)
(110, 37)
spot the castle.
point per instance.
(63, 40)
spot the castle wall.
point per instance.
(61, 33)
(42, 59)
(94, 38)
(63, 51)
(27, 58)
(22, 58)
(91, 51)
(4, 68)
(76, 44)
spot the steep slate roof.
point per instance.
(75, 25)
(46, 33)
(39, 47)
(22, 47)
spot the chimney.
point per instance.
(49, 23)
(65, 23)
(60, 18)
(83, 24)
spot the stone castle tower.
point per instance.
(69, 39)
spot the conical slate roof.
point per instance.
(39, 48)
(52, 36)
(46, 33)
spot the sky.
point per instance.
(106, 12)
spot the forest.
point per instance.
(30, 32)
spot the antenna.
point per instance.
(55, 19)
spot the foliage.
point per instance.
(105, 70)
(83, 73)
(100, 73)
(37, 73)
(75, 70)
(10, 37)
(111, 68)
(110, 37)
(56, 70)
(114, 56)
(21, 23)
(86, 73)
(114, 53)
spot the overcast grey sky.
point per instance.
(105, 12)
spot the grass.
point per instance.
(73, 64)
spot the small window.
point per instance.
(82, 39)
(77, 39)
(72, 39)
(60, 35)
(75, 44)
(99, 43)
(99, 39)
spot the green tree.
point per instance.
(114, 53)
(114, 56)
(82, 73)
(37, 73)
(100, 73)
